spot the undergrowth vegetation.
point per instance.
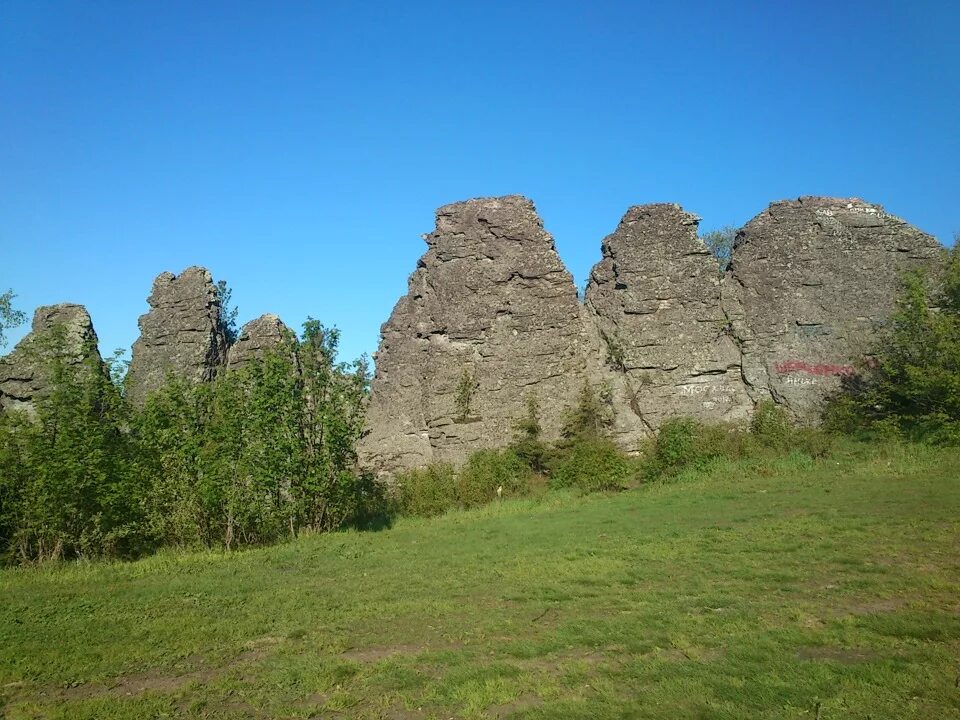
(267, 452)
(910, 386)
(585, 460)
(262, 453)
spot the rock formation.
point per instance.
(62, 331)
(256, 337)
(491, 317)
(492, 313)
(811, 281)
(181, 335)
(655, 300)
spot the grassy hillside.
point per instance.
(753, 590)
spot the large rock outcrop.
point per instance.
(181, 336)
(260, 335)
(492, 315)
(61, 333)
(655, 300)
(491, 318)
(810, 283)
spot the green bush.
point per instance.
(771, 424)
(674, 447)
(912, 380)
(372, 507)
(684, 442)
(426, 491)
(487, 470)
(592, 465)
(527, 442)
(813, 442)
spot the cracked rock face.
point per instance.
(490, 309)
(63, 330)
(258, 336)
(665, 341)
(810, 283)
(181, 335)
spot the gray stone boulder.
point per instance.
(265, 333)
(655, 299)
(181, 335)
(810, 283)
(63, 332)
(491, 318)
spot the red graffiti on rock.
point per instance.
(821, 369)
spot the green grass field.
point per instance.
(761, 589)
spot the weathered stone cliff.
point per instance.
(655, 299)
(491, 308)
(491, 317)
(258, 336)
(181, 335)
(810, 283)
(59, 332)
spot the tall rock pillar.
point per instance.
(181, 335)
(664, 338)
(491, 318)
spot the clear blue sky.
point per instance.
(299, 149)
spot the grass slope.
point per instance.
(751, 590)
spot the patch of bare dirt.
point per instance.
(377, 653)
(693, 653)
(158, 682)
(399, 712)
(877, 607)
(847, 656)
(135, 684)
(555, 662)
(505, 710)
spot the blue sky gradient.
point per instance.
(299, 149)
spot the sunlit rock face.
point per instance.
(259, 336)
(59, 334)
(810, 283)
(181, 336)
(661, 333)
(655, 299)
(491, 315)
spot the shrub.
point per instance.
(487, 470)
(685, 442)
(591, 416)
(674, 446)
(813, 442)
(591, 464)
(372, 507)
(463, 398)
(426, 491)
(771, 424)
(913, 378)
(527, 443)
